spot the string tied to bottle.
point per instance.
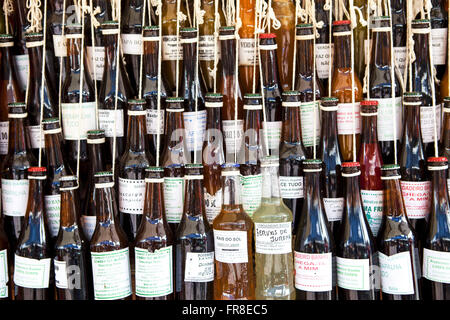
(34, 15)
(8, 9)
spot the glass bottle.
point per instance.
(154, 248)
(292, 153)
(20, 26)
(33, 255)
(349, 120)
(15, 184)
(439, 26)
(330, 154)
(5, 255)
(109, 245)
(380, 89)
(355, 246)
(324, 55)
(397, 243)
(71, 260)
(213, 155)
(274, 267)
(371, 161)
(415, 183)
(436, 245)
(233, 230)
(361, 46)
(314, 249)
(132, 166)
(444, 147)
(194, 242)
(398, 9)
(305, 78)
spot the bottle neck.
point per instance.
(6, 63)
(392, 199)
(421, 50)
(194, 203)
(35, 206)
(106, 207)
(412, 123)
(342, 52)
(174, 127)
(269, 68)
(381, 53)
(312, 186)
(291, 130)
(228, 57)
(17, 142)
(154, 204)
(35, 58)
(136, 133)
(151, 49)
(95, 158)
(74, 55)
(111, 47)
(231, 187)
(69, 208)
(369, 133)
(352, 196)
(305, 58)
(53, 149)
(329, 126)
(214, 118)
(271, 186)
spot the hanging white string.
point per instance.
(197, 17)
(257, 11)
(216, 37)
(8, 9)
(352, 54)
(294, 65)
(238, 24)
(158, 12)
(94, 24)
(177, 58)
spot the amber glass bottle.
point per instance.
(6, 286)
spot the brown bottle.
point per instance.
(154, 249)
(5, 288)
(444, 149)
(109, 245)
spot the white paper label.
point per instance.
(4, 132)
(152, 121)
(323, 59)
(334, 208)
(78, 120)
(88, 225)
(251, 193)
(132, 44)
(273, 238)
(4, 278)
(14, 197)
(396, 273)
(36, 137)
(307, 123)
(195, 127)
(439, 42)
(111, 274)
(273, 134)
(173, 198)
(353, 274)
(52, 210)
(231, 246)
(213, 205)
(400, 59)
(385, 119)
(345, 118)
(99, 64)
(313, 271)
(169, 48)
(31, 273)
(436, 265)
(233, 132)
(154, 272)
(60, 45)
(106, 121)
(291, 187)
(22, 62)
(206, 48)
(131, 196)
(60, 274)
(417, 197)
(247, 52)
(427, 123)
(372, 201)
(199, 267)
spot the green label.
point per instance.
(353, 274)
(77, 119)
(251, 193)
(173, 199)
(307, 123)
(3, 274)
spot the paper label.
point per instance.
(323, 59)
(78, 120)
(345, 118)
(427, 123)
(313, 271)
(307, 123)
(52, 209)
(273, 238)
(334, 208)
(36, 137)
(195, 127)
(400, 59)
(99, 64)
(173, 199)
(372, 201)
(251, 193)
(206, 48)
(4, 132)
(4, 279)
(31, 273)
(385, 119)
(231, 246)
(199, 267)
(436, 265)
(233, 131)
(106, 121)
(169, 48)
(60, 274)
(213, 205)
(396, 273)
(291, 187)
(152, 121)
(132, 44)
(154, 272)
(439, 43)
(22, 62)
(88, 225)
(60, 45)
(247, 52)
(273, 133)
(131, 196)
(111, 274)
(417, 197)
(14, 197)
(353, 274)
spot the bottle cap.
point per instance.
(230, 169)
(95, 136)
(227, 33)
(51, 126)
(137, 107)
(154, 174)
(350, 164)
(312, 165)
(6, 40)
(350, 169)
(252, 101)
(369, 108)
(329, 104)
(194, 171)
(104, 179)
(154, 169)
(390, 172)
(174, 104)
(304, 32)
(290, 99)
(303, 25)
(341, 22)
(37, 173)
(17, 110)
(110, 28)
(437, 163)
(412, 98)
(213, 100)
(446, 101)
(175, 166)
(68, 183)
(369, 103)
(188, 33)
(267, 36)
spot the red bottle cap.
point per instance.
(341, 22)
(267, 36)
(437, 159)
(350, 164)
(369, 103)
(37, 169)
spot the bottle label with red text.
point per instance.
(348, 118)
(4, 132)
(417, 197)
(231, 246)
(385, 119)
(436, 265)
(427, 123)
(396, 273)
(372, 201)
(324, 56)
(313, 271)
(439, 43)
(131, 195)
(334, 208)
(291, 187)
